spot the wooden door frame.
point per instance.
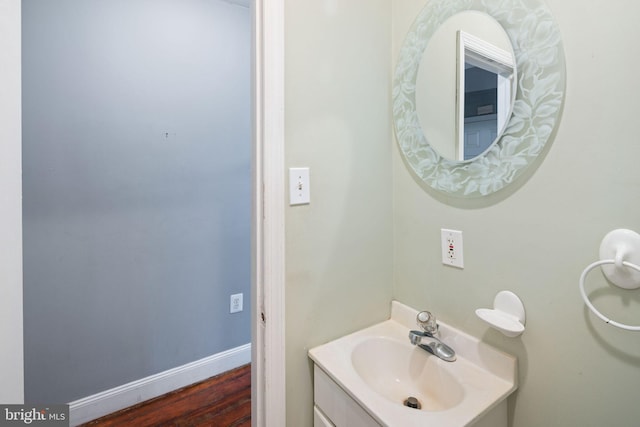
(11, 323)
(268, 298)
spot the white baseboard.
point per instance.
(115, 399)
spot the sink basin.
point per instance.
(400, 370)
(380, 369)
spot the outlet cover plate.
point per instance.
(452, 253)
(235, 303)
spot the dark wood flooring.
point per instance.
(220, 401)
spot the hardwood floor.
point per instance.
(220, 401)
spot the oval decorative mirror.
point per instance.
(475, 133)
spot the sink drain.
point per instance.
(412, 402)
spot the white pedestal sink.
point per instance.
(378, 369)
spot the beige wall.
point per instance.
(338, 248)
(537, 238)
(345, 261)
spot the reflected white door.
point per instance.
(479, 134)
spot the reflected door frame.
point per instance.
(489, 57)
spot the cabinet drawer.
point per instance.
(337, 405)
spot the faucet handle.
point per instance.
(427, 322)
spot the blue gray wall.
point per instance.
(136, 145)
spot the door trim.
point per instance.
(268, 299)
(11, 324)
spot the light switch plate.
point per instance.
(299, 193)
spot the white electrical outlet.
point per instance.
(452, 248)
(236, 303)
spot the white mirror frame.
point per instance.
(537, 47)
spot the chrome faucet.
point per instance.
(427, 338)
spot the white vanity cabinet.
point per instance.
(333, 407)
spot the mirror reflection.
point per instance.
(465, 85)
(485, 78)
